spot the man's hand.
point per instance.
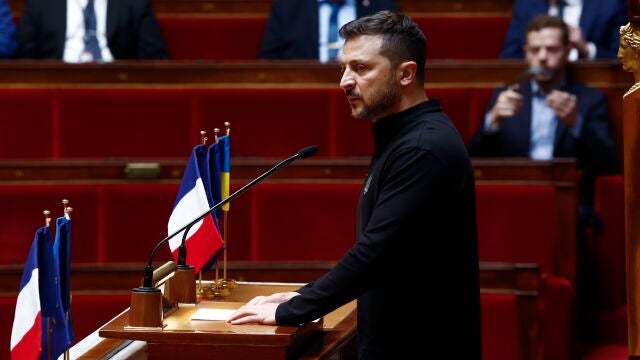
(255, 314)
(577, 41)
(260, 309)
(564, 104)
(508, 104)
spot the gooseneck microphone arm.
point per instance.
(302, 153)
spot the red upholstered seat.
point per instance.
(277, 123)
(466, 37)
(517, 223)
(303, 221)
(26, 127)
(8, 309)
(610, 260)
(500, 326)
(124, 123)
(21, 215)
(135, 219)
(212, 38)
(610, 244)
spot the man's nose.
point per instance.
(347, 81)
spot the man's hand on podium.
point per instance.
(260, 309)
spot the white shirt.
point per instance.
(543, 126)
(346, 13)
(74, 38)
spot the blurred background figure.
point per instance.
(308, 29)
(89, 30)
(593, 26)
(551, 116)
(8, 42)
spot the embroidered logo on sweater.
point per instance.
(366, 184)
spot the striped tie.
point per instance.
(91, 47)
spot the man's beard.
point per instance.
(381, 102)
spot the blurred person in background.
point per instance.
(90, 31)
(593, 26)
(308, 29)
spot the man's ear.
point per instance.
(407, 71)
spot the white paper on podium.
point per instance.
(212, 314)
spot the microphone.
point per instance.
(148, 272)
(308, 151)
(529, 73)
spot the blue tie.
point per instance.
(333, 44)
(561, 4)
(90, 40)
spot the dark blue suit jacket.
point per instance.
(594, 150)
(292, 27)
(8, 42)
(133, 31)
(600, 22)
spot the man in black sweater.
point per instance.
(415, 260)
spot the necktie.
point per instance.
(561, 4)
(91, 47)
(333, 44)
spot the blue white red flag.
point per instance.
(203, 239)
(26, 333)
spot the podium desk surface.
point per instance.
(186, 337)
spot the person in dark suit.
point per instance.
(594, 26)
(294, 29)
(550, 115)
(126, 29)
(416, 239)
(8, 42)
(553, 116)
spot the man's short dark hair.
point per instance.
(402, 39)
(544, 21)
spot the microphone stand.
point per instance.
(146, 300)
(181, 287)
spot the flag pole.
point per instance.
(67, 214)
(203, 140)
(217, 279)
(216, 289)
(47, 220)
(226, 282)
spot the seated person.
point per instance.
(7, 31)
(551, 115)
(303, 29)
(89, 30)
(593, 26)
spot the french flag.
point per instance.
(203, 241)
(26, 333)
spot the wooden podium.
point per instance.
(333, 336)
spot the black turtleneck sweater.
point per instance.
(414, 264)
